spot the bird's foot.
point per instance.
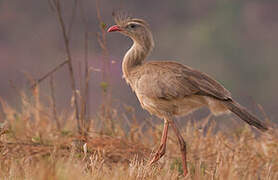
(160, 152)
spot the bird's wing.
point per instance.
(170, 80)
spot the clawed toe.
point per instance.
(160, 152)
(158, 155)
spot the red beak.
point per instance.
(114, 28)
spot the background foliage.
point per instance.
(234, 41)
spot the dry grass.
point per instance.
(31, 147)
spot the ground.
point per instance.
(31, 147)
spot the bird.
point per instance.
(169, 89)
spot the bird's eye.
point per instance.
(132, 26)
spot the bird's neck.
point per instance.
(135, 56)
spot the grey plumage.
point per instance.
(168, 89)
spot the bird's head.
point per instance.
(137, 29)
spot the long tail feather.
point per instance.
(246, 116)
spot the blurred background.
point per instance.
(233, 41)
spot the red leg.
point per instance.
(162, 148)
(182, 145)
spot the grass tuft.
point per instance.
(31, 147)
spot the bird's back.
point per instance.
(171, 80)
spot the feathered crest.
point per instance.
(121, 17)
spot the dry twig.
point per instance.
(85, 105)
(70, 66)
(53, 99)
(38, 81)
